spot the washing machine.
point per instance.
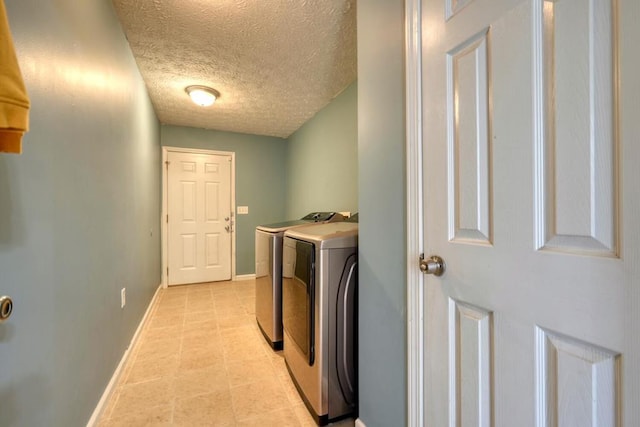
(319, 288)
(269, 272)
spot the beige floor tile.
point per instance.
(224, 300)
(160, 334)
(132, 397)
(233, 322)
(241, 334)
(157, 348)
(200, 294)
(110, 404)
(144, 416)
(203, 285)
(200, 328)
(202, 322)
(243, 352)
(166, 321)
(167, 313)
(278, 418)
(252, 400)
(199, 316)
(279, 365)
(273, 354)
(226, 297)
(222, 287)
(231, 310)
(211, 344)
(172, 300)
(247, 299)
(202, 346)
(249, 304)
(304, 417)
(126, 370)
(245, 286)
(200, 305)
(290, 390)
(203, 331)
(153, 368)
(202, 337)
(249, 371)
(240, 338)
(172, 304)
(213, 409)
(201, 291)
(201, 381)
(200, 358)
(173, 292)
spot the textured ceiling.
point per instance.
(275, 62)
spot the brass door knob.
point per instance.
(432, 265)
(6, 307)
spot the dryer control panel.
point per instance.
(323, 216)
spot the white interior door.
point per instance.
(199, 222)
(530, 166)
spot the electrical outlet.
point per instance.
(123, 297)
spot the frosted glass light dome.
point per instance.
(202, 95)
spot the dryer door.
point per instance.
(298, 294)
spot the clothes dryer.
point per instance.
(320, 317)
(269, 272)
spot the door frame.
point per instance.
(414, 206)
(165, 206)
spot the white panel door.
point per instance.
(531, 173)
(199, 226)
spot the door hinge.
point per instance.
(167, 163)
(167, 218)
(167, 271)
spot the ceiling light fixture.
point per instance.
(202, 95)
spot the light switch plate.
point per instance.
(243, 210)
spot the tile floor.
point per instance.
(200, 360)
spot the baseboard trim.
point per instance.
(97, 412)
(241, 277)
(359, 423)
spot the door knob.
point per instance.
(432, 265)
(6, 307)
(227, 228)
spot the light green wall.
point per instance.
(323, 159)
(382, 259)
(314, 170)
(80, 209)
(79, 213)
(260, 179)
